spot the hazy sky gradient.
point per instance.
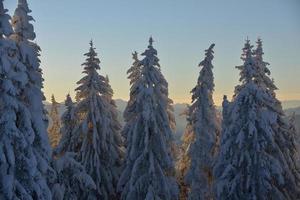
(182, 30)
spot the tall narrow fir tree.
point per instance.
(129, 115)
(202, 118)
(101, 149)
(284, 138)
(149, 167)
(69, 141)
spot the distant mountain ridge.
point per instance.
(290, 104)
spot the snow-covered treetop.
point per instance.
(209, 56)
(92, 83)
(259, 52)
(68, 101)
(151, 55)
(206, 78)
(68, 115)
(69, 122)
(135, 56)
(134, 71)
(92, 62)
(248, 71)
(21, 22)
(109, 91)
(5, 27)
(53, 101)
(263, 70)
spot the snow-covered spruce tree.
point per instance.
(114, 110)
(32, 95)
(226, 105)
(54, 130)
(72, 182)
(20, 177)
(115, 120)
(149, 167)
(129, 115)
(251, 164)
(68, 142)
(263, 78)
(284, 138)
(202, 118)
(101, 148)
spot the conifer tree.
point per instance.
(263, 71)
(149, 167)
(101, 149)
(202, 118)
(284, 138)
(20, 176)
(251, 163)
(68, 142)
(71, 179)
(32, 94)
(54, 130)
(113, 110)
(71, 182)
(134, 75)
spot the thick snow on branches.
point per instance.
(253, 162)
(24, 146)
(202, 119)
(71, 180)
(254, 155)
(149, 165)
(134, 74)
(68, 142)
(98, 129)
(32, 95)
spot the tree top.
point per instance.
(151, 41)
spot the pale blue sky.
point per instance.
(182, 30)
